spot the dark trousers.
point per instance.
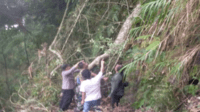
(115, 99)
(66, 99)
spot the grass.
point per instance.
(163, 71)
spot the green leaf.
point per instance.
(143, 37)
(153, 45)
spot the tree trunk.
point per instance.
(121, 37)
(6, 73)
(25, 48)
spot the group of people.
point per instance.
(87, 87)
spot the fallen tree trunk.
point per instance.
(121, 37)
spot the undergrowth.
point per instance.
(162, 53)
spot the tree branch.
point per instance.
(55, 39)
(121, 37)
(73, 26)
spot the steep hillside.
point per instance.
(160, 52)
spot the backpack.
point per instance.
(120, 90)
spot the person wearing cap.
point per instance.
(90, 88)
(117, 86)
(68, 84)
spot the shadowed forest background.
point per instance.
(157, 41)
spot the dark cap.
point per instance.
(64, 66)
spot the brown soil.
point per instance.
(105, 107)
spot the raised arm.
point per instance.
(77, 70)
(102, 66)
(70, 70)
(100, 74)
(93, 74)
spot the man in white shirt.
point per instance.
(90, 88)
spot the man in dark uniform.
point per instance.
(117, 86)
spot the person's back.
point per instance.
(68, 79)
(68, 85)
(92, 87)
(82, 65)
(120, 87)
(117, 86)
